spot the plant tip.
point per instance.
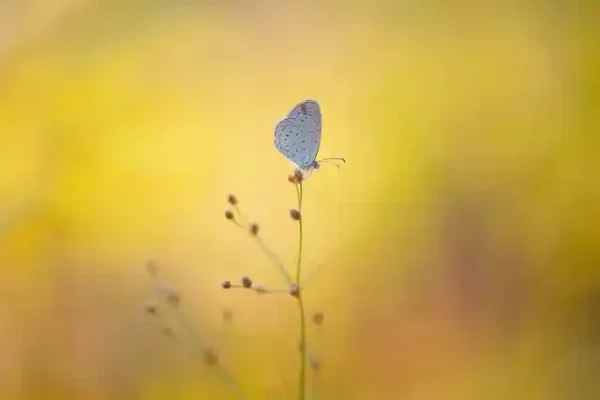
(231, 199)
(298, 177)
(210, 357)
(295, 214)
(173, 299)
(318, 318)
(247, 282)
(151, 309)
(295, 290)
(226, 284)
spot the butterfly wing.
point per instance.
(298, 136)
(290, 140)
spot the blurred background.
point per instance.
(459, 244)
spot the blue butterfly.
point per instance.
(298, 136)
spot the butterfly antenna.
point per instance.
(334, 161)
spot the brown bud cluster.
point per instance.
(151, 309)
(247, 282)
(318, 318)
(295, 214)
(210, 357)
(229, 215)
(173, 299)
(254, 229)
(295, 290)
(231, 199)
(227, 316)
(226, 284)
(296, 177)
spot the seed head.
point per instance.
(247, 282)
(295, 290)
(298, 177)
(315, 364)
(210, 357)
(151, 309)
(231, 199)
(227, 315)
(318, 318)
(229, 215)
(254, 229)
(173, 299)
(295, 214)
(226, 284)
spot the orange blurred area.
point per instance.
(457, 252)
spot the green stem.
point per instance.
(302, 376)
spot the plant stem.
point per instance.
(219, 370)
(302, 376)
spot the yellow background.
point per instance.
(460, 241)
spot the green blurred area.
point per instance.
(460, 241)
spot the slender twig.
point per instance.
(273, 257)
(311, 275)
(260, 290)
(266, 250)
(240, 215)
(316, 386)
(219, 370)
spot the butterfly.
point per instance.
(298, 137)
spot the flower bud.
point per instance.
(247, 282)
(295, 214)
(318, 318)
